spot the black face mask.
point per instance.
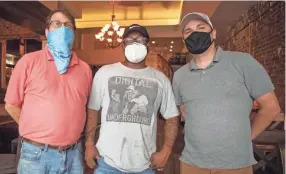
(198, 42)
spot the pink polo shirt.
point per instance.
(53, 104)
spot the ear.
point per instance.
(148, 44)
(46, 32)
(213, 34)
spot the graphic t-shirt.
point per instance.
(130, 100)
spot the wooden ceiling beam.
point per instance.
(30, 14)
(12, 37)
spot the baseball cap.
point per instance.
(195, 16)
(136, 28)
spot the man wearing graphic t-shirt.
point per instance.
(127, 140)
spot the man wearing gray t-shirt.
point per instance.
(130, 95)
(217, 89)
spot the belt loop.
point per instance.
(46, 147)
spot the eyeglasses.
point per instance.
(58, 24)
(140, 40)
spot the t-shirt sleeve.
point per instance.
(176, 90)
(97, 91)
(168, 106)
(256, 78)
(17, 84)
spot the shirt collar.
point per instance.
(74, 58)
(217, 58)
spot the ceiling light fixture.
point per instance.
(111, 34)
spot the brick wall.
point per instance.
(9, 30)
(261, 32)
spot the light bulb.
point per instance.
(110, 33)
(97, 36)
(116, 27)
(106, 27)
(119, 33)
(101, 34)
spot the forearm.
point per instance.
(91, 124)
(14, 112)
(262, 120)
(171, 131)
(182, 111)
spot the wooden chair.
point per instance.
(269, 148)
(269, 158)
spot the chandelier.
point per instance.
(111, 34)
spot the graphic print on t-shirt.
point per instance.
(131, 99)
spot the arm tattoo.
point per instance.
(171, 131)
(90, 127)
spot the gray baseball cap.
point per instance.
(195, 16)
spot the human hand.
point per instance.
(91, 155)
(160, 159)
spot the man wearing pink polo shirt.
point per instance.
(47, 96)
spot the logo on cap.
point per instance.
(134, 26)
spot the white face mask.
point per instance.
(135, 53)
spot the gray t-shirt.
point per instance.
(218, 101)
(130, 100)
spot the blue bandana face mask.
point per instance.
(60, 42)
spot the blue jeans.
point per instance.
(36, 160)
(104, 168)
